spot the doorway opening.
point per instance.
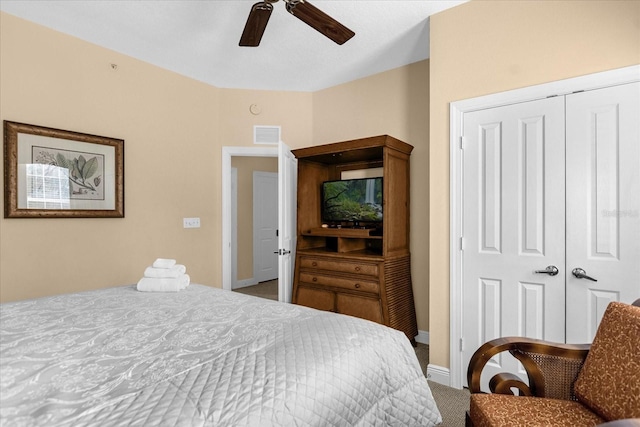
(238, 274)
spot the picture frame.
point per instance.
(54, 173)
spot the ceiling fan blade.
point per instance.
(320, 21)
(256, 23)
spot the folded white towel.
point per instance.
(184, 281)
(164, 263)
(160, 284)
(173, 272)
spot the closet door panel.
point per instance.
(603, 204)
(514, 225)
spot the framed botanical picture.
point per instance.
(53, 173)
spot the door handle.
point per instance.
(581, 274)
(282, 252)
(551, 270)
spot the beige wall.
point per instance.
(484, 47)
(54, 80)
(395, 103)
(246, 166)
(289, 110)
(174, 129)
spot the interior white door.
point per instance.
(513, 225)
(265, 226)
(287, 197)
(603, 204)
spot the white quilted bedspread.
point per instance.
(202, 357)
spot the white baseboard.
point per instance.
(435, 373)
(438, 374)
(244, 283)
(423, 337)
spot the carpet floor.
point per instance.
(267, 290)
(452, 403)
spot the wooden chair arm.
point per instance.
(521, 348)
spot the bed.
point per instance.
(202, 357)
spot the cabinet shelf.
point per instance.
(363, 254)
(368, 233)
(344, 240)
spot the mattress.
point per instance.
(202, 357)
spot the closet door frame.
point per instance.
(455, 374)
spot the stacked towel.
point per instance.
(164, 275)
(164, 263)
(170, 273)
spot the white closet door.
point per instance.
(603, 204)
(513, 226)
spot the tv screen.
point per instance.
(353, 200)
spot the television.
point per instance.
(352, 200)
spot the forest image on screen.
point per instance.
(356, 200)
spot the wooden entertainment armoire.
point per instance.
(363, 272)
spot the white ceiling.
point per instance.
(199, 38)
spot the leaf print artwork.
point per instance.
(55, 173)
(86, 170)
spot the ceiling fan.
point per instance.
(301, 9)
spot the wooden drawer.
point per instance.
(368, 269)
(340, 282)
(315, 298)
(365, 308)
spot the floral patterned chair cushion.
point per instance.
(504, 410)
(609, 382)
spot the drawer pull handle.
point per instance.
(315, 279)
(357, 268)
(314, 264)
(357, 285)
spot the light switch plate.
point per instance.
(191, 222)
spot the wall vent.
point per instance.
(266, 134)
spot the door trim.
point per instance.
(456, 117)
(234, 228)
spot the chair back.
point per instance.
(609, 382)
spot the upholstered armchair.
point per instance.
(569, 385)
